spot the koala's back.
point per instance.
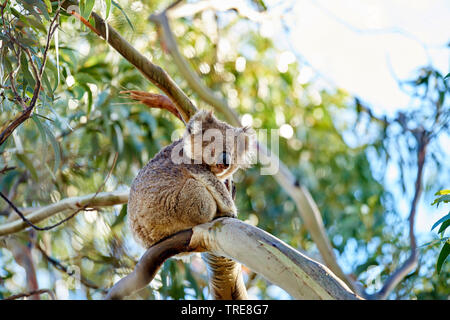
(165, 198)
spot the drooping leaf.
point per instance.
(55, 146)
(42, 133)
(443, 256)
(108, 8)
(123, 12)
(445, 198)
(29, 165)
(441, 220)
(121, 217)
(444, 226)
(86, 7)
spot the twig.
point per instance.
(102, 199)
(412, 261)
(6, 169)
(31, 293)
(154, 100)
(85, 22)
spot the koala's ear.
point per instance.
(194, 126)
(209, 116)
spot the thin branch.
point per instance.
(85, 22)
(31, 293)
(410, 263)
(101, 199)
(6, 169)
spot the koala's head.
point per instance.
(222, 147)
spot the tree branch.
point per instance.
(410, 263)
(101, 199)
(149, 264)
(300, 276)
(31, 293)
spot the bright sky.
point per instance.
(362, 46)
(358, 45)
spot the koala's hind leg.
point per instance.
(195, 203)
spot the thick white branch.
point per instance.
(91, 200)
(282, 265)
(297, 274)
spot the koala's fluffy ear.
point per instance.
(194, 126)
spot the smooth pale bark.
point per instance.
(75, 203)
(300, 276)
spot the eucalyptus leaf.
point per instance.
(445, 252)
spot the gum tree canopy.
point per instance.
(77, 81)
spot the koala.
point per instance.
(187, 182)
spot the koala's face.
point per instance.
(222, 147)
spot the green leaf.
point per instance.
(41, 131)
(55, 146)
(442, 256)
(108, 8)
(447, 76)
(445, 198)
(47, 85)
(121, 216)
(86, 7)
(444, 226)
(49, 5)
(124, 13)
(29, 165)
(25, 71)
(443, 219)
(442, 192)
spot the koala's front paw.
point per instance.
(231, 212)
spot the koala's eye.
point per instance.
(225, 159)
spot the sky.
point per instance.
(364, 47)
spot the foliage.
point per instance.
(443, 196)
(81, 120)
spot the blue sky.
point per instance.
(363, 47)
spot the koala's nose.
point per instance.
(226, 161)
